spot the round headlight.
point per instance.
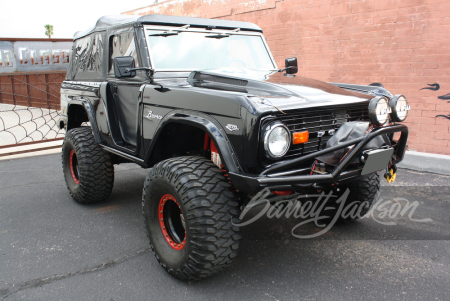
(277, 140)
(379, 111)
(400, 108)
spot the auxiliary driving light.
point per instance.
(277, 140)
(379, 111)
(400, 108)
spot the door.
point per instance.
(123, 100)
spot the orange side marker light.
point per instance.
(301, 137)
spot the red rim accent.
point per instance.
(162, 222)
(72, 170)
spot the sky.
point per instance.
(26, 19)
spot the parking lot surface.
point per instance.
(52, 248)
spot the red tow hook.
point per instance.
(285, 192)
(215, 157)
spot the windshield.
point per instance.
(196, 51)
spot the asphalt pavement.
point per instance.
(52, 248)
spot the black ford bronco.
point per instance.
(203, 104)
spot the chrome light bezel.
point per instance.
(269, 130)
(373, 116)
(393, 105)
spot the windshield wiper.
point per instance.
(172, 32)
(164, 34)
(217, 36)
(222, 35)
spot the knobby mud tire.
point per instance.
(207, 205)
(92, 179)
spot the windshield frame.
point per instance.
(149, 28)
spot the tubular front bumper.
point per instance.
(253, 184)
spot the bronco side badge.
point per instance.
(150, 115)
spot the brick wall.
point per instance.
(400, 43)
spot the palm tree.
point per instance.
(48, 30)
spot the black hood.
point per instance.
(275, 89)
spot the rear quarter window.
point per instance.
(87, 58)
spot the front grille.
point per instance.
(319, 119)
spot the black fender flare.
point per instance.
(87, 105)
(207, 123)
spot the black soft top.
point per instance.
(112, 21)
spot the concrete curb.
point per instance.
(426, 162)
(32, 154)
(30, 149)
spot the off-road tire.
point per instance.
(95, 172)
(208, 206)
(363, 192)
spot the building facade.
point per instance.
(399, 43)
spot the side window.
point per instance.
(87, 57)
(122, 45)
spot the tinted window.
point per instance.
(87, 57)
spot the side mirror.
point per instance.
(291, 65)
(121, 63)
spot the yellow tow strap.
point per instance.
(391, 176)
